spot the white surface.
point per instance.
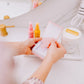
(63, 72)
(14, 8)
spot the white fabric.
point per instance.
(79, 18)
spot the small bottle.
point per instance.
(31, 32)
(37, 31)
(35, 4)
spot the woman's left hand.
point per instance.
(28, 44)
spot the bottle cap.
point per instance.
(37, 26)
(30, 27)
(35, 4)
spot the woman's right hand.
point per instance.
(55, 52)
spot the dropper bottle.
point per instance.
(37, 31)
(31, 32)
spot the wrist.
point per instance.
(48, 59)
(21, 48)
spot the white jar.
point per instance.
(70, 41)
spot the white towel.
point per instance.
(79, 18)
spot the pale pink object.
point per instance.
(35, 4)
(31, 32)
(52, 31)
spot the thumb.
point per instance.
(61, 46)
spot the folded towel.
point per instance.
(79, 18)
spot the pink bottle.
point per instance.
(35, 4)
(31, 32)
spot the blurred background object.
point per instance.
(13, 8)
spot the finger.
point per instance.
(49, 41)
(57, 44)
(37, 39)
(61, 46)
(28, 51)
(49, 45)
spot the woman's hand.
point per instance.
(55, 52)
(28, 44)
